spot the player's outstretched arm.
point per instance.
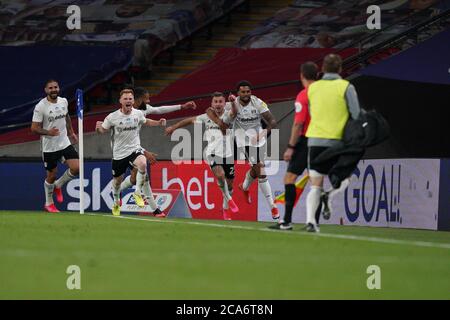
(169, 109)
(153, 123)
(180, 124)
(213, 116)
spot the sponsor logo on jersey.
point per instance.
(61, 116)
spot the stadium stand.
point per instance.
(126, 33)
(277, 80)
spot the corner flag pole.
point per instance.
(79, 97)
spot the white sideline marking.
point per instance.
(324, 235)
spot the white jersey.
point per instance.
(218, 144)
(124, 132)
(247, 123)
(160, 110)
(53, 115)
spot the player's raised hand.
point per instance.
(162, 122)
(53, 132)
(231, 97)
(189, 105)
(169, 130)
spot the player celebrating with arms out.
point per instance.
(246, 113)
(125, 125)
(142, 102)
(52, 122)
(218, 151)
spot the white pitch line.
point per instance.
(323, 235)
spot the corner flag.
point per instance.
(79, 97)
(299, 187)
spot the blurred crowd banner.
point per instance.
(115, 22)
(334, 23)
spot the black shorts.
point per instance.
(256, 155)
(119, 167)
(51, 158)
(322, 168)
(227, 164)
(299, 160)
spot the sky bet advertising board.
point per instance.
(400, 193)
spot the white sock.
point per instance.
(116, 191)
(140, 179)
(66, 177)
(312, 203)
(147, 190)
(334, 192)
(48, 193)
(226, 195)
(266, 190)
(224, 188)
(225, 201)
(126, 184)
(248, 180)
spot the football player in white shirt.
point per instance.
(142, 102)
(52, 122)
(125, 125)
(218, 152)
(246, 113)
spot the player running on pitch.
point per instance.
(125, 125)
(52, 122)
(142, 102)
(246, 114)
(218, 152)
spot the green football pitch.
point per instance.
(133, 257)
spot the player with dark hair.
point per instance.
(246, 113)
(125, 125)
(52, 122)
(297, 151)
(218, 152)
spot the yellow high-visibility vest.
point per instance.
(328, 109)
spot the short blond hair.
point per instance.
(125, 91)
